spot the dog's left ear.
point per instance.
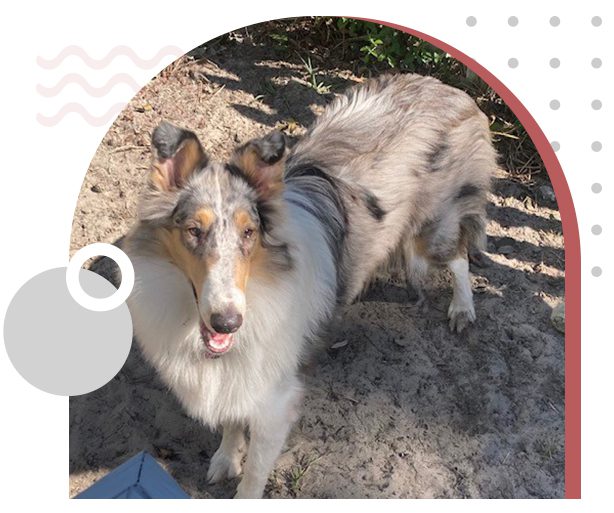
(262, 162)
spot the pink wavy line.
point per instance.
(80, 52)
(74, 78)
(77, 108)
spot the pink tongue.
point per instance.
(219, 341)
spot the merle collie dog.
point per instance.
(240, 265)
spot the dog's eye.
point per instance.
(248, 233)
(195, 232)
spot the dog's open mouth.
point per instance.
(216, 343)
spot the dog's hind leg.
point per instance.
(461, 312)
(226, 462)
(268, 430)
(416, 271)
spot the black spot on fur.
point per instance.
(310, 170)
(372, 204)
(468, 190)
(236, 172)
(436, 159)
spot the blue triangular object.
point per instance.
(141, 477)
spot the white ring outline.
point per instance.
(94, 303)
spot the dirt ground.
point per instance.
(405, 409)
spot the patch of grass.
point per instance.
(295, 475)
(311, 70)
(546, 448)
(280, 40)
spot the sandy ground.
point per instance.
(405, 409)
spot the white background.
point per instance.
(42, 171)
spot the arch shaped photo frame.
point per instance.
(468, 399)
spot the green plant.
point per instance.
(279, 40)
(382, 44)
(318, 87)
(297, 472)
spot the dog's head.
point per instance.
(213, 221)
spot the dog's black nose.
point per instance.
(227, 322)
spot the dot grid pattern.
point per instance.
(554, 104)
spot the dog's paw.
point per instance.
(247, 490)
(223, 466)
(461, 316)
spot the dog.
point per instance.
(241, 266)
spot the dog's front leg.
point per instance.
(226, 462)
(268, 429)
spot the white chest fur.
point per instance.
(282, 314)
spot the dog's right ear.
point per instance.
(178, 153)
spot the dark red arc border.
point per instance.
(572, 256)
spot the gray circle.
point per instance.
(92, 288)
(596, 62)
(57, 345)
(596, 229)
(596, 188)
(554, 62)
(556, 146)
(555, 21)
(596, 104)
(471, 21)
(596, 21)
(513, 62)
(512, 21)
(555, 104)
(596, 146)
(596, 271)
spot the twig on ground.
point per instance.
(128, 148)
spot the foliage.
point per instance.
(395, 48)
